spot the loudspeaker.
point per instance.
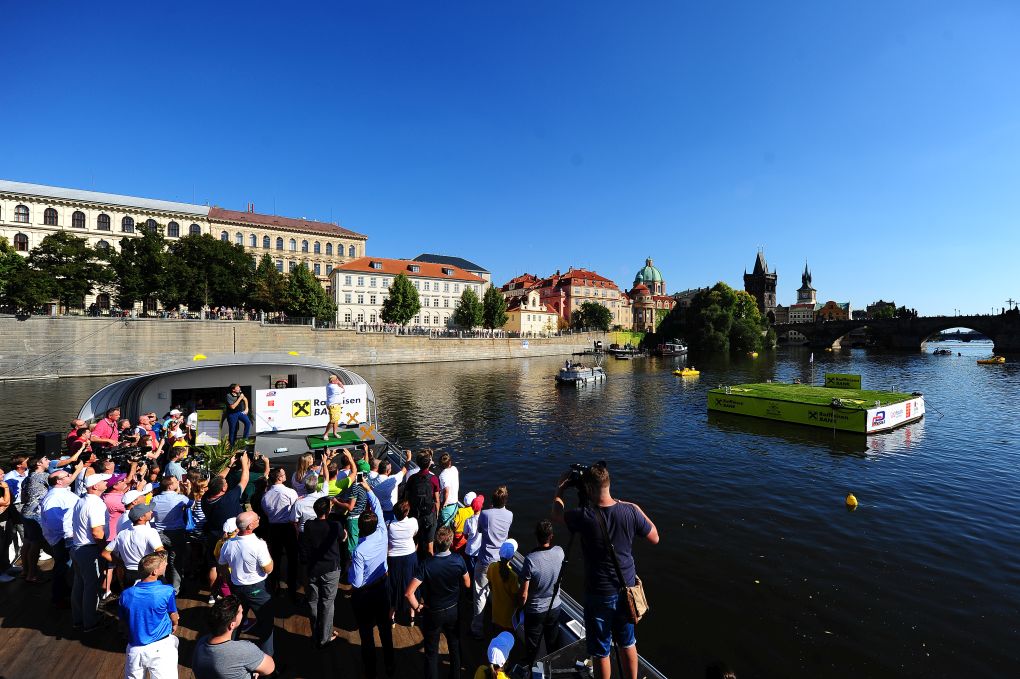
(48, 443)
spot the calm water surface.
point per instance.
(760, 564)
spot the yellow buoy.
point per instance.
(851, 502)
(293, 353)
(198, 357)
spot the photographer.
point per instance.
(605, 616)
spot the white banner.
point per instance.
(887, 417)
(305, 408)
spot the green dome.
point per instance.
(649, 274)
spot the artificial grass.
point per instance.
(815, 395)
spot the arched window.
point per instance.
(239, 238)
(304, 246)
(103, 245)
(329, 249)
(20, 242)
(266, 242)
(224, 236)
(127, 225)
(21, 214)
(291, 266)
(50, 217)
(173, 229)
(103, 222)
(151, 226)
(279, 243)
(317, 247)
(350, 251)
(293, 245)
(78, 219)
(253, 241)
(195, 230)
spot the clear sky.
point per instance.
(880, 141)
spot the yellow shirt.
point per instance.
(462, 515)
(504, 596)
(483, 673)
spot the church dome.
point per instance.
(648, 274)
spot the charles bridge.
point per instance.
(912, 331)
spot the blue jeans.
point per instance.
(602, 620)
(232, 419)
(85, 590)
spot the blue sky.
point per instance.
(879, 141)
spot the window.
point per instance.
(103, 222)
(127, 225)
(318, 269)
(253, 241)
(347, 298)
(50, 217)
(239, 238)
(413, 267)
(416, 283)
(447, 271)
(291, 266)
(21, 242)
(361, 299)
(103, 245)
(426, 285)
(371, 282)
(224, 236)
(266, 242)
(347, 280)
(376, 265)
(329, 269)
(417, 320)
(456, 287)
(426, 320)
(347, 317)
(195, 230)
(78, 219)
(361, 318)
(329, 249)
(151, 226)
(371, 299)
(361, 281)
(304, 246)
(317, 248)
(446, 301)
(446, 287)
(371, 319)
(279, 265)
(293, 245)
(173, 229)
(21, 214)
(279, 243)
(351, 252)
(386, 282)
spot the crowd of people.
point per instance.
(403, 538)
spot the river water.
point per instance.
(760, 564)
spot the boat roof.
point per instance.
(119, 393)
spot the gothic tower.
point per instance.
(761, 284)
(806, 294)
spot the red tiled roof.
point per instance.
(523, 281)
(392, 267)
(515, 304)
(285, 223)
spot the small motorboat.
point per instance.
(994, 360)
(624, 357)
(577, 375)
(686, 372)
(942, 352)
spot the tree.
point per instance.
(305, 298)
(138, 269)
(203, 270)
(493, 308)
(720, 319)
(269, 286)
(21, 288)
(591, 315)
(468, 313)
(884, 311)
(402, 303)
(71, 268)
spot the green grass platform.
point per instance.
(344, 438)
(864, 411)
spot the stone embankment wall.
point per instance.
(66, 347)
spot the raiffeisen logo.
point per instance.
(878, 419)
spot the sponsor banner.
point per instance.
(887, 417)
(845, 419)
(305, 408)
(842, 381)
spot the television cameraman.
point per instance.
(603, 617)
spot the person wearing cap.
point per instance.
(55, 520)
(494, 528)
(539, 576)
(497, 655)
(169, 517)
(247, 555)
(113, 499)
(149, 610)
(504, 586)
(129, 500)
(221, 587)
(133, 543)
(89, 520)
(441, 579)
(472, 538)
(463, 513)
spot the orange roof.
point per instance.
(285, 223)
(392, 267)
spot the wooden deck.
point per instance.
(36, 640)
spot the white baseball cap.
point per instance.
(130, 497)
(175, 411)
(93, 479)
(469, 498)
(230, 525)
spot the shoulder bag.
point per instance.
(632, 598)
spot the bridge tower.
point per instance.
(806, 294)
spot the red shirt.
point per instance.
(70, 438)
(106, 429)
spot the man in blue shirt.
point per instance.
(370, 597)
(169, 518)
(149, 611)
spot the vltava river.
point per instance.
(760, 564)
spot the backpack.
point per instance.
(419, 494)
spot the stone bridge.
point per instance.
(910, 333)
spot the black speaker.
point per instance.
(48, 443)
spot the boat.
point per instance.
(686, 372)
(625, 350)
(942, 352)
(578, 375)
(624, 357)
(994, 360)
(673, 348)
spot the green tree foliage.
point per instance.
(493, 308)
(21, 288)
(306, 298)
(71, 268)
(591, 315)
(468, 313)
(402, 303)
(203, 270)
(722, 319)
(139, 267)
(885, 311)
(269, 286)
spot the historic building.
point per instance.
(458, 262)
(648, 297)
(881, 308)
(360, 286)
(527, 315)
(563, 293)
(834, 311)
(807, 303)
(761, 284)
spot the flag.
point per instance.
(812, 358)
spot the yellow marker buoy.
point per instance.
(293, 353)
(851, 502)
(198, 357)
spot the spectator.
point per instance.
(218, 505)
(504, 587)
(221, 587)
(174, 467)
(32, 491)
(460, 517)
(386, 486)
(422, 492)
(354, 500)
(134, 543)
(305, 467)
(621, 521)
(55, 520)
(250, 565)
(304, 508)
(115, 488)
(5, 536)
(369, 595)
(497, 654)
(106, 433)
(449, 489)
(494, 528)
(402, 558)
(88, 525)
(320, 551)
(278, 504)
(441, 578)
(472, 538)
(218, 656)
(540, 595)
(237, 413)
(169, 517)
(150, 612)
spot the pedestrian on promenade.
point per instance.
(494, 528)
(250, 564)
(149, 611)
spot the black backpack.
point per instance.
(419, 494)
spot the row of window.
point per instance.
(372, 318)
(316, 247)
(427, 286)
(127, 224)
(315, 268)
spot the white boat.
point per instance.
(674, 348)
(577, 374)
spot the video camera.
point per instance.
(577, 477)
(126, 455)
